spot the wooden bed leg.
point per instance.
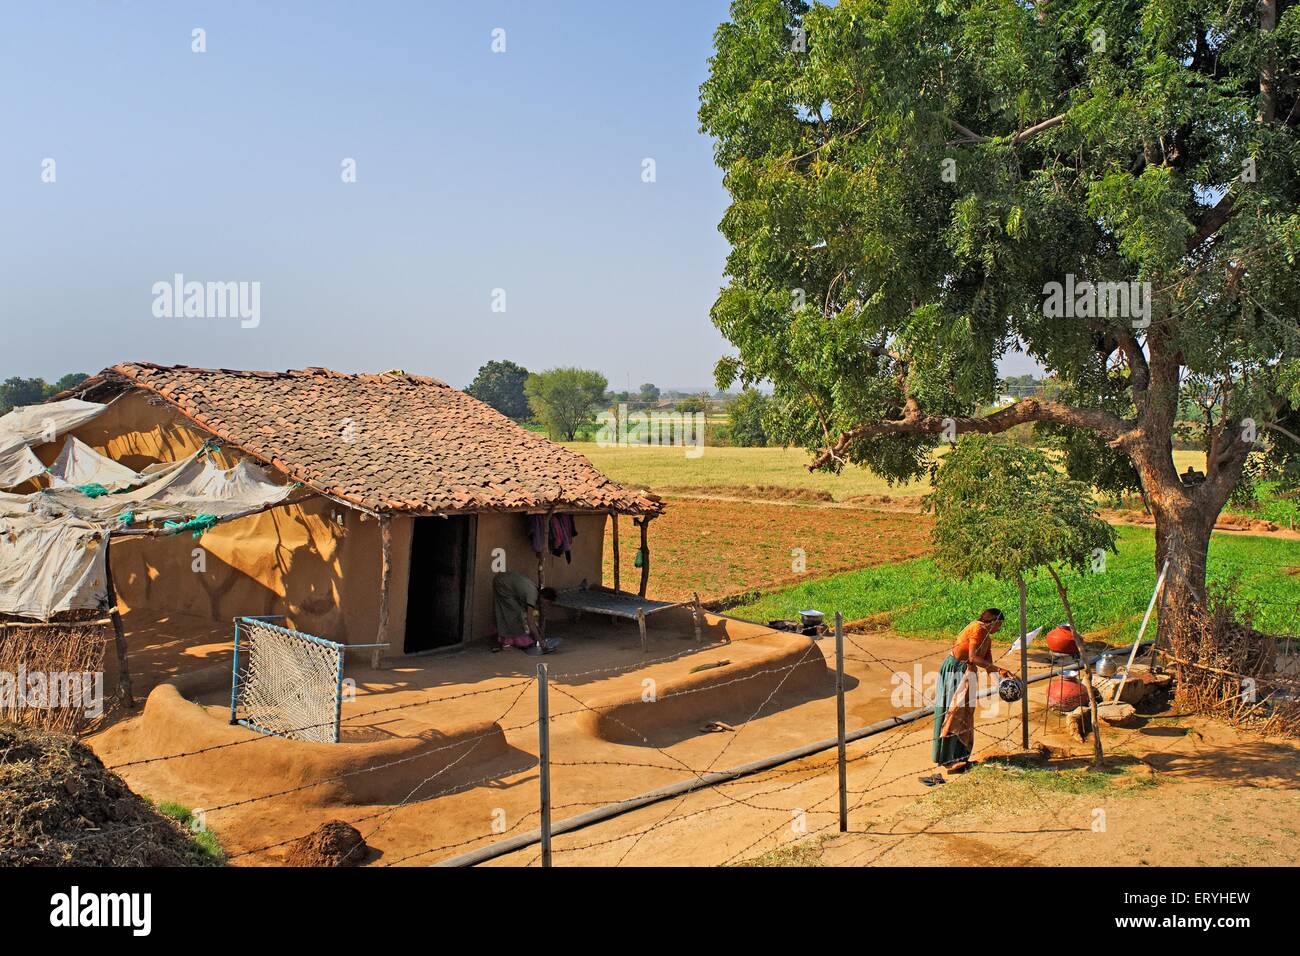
(640, 623)
(698, 615)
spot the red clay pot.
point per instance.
(1061, 641)
(1066, 693)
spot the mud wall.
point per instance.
(316, 562)
(509, 533)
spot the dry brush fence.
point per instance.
(51, 674)
(1226, 668)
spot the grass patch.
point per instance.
(919, 601)
(802, 854)
(204, 839)
(1271, 505)
(1001, 787)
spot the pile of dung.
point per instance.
(331, 844)
(60, 807)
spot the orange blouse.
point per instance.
(973, 641)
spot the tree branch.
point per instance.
(1139, 371)
(975, 139)
(916, 422)
(1098, 758)
(1213, 222)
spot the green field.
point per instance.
(664, 468)
(658, 467)
(918, 601)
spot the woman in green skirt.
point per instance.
(954, 693)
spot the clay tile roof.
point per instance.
(390, 442)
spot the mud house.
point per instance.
(406, 496)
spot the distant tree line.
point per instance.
(18, 391)
(565, 401)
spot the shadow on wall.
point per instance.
(181, 595)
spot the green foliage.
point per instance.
(746, 413)
(21, 391)
(500, 383)
(18, 391)
(692, 404)
(68, 381)
(1001, 509)
(564, 399)
(891, 238)
(649, 392)
(993, 787)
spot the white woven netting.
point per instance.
(286, 683)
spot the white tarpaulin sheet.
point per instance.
(30, 425)
(169, 491)
(50, 564)
(79, 464)
(52, 549)
(19, 466)
(40, 424)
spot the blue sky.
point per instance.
(476, 170)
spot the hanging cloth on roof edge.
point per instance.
(559, 537)
(563, 531)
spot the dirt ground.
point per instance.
(1183, 792)
(1218, 796)
(722, 547)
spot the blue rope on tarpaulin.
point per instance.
(198, 524)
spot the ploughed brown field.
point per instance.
(722, 548)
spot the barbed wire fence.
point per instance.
(804, 771)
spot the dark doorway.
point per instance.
(436, 602)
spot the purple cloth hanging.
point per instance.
(537, 532)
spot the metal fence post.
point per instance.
(1024, 669)
(234, 675)
(338, 696)
(839, 719)
(544, 757)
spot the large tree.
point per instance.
(745, 414)
(564, 399)
(917, 186)
(500, 383)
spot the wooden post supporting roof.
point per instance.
(541, 555)
(644, 522)
(613, 517)
(119, 633)
(385, 586)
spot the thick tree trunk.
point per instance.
(1182, 539)
(1184, 517)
